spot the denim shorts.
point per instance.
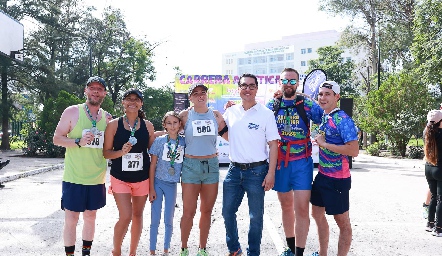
(78, 198)
(200, 170)
(331, 193)
(298, 175)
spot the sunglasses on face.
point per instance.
(291, 81)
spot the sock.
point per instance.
(70, 250)
(299, 251)
(291, 243)
(86, 250)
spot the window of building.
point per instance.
(302, 51)
(309, 50)
(289, 56)
(303, 63)
(272, 58)
(241, 61)
(280, 57)
(249, 60)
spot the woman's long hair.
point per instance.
(430, 148)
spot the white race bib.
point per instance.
(179, 153)
(97, 141)
(132, 162)
(203, 127)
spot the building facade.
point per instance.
(270, 58)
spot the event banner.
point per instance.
(223, 88)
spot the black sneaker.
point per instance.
(429, 227)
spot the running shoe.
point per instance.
(287, 252)
(429, 227)
(237, 253)
(202, 252)
(315, 254)
(437, 232)
(425, 208)
(184, 252)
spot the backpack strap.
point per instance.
(276, 105)
(301, 111)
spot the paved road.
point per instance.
(386, 199)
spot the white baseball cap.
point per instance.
(331, 85)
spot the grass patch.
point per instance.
(416, 142)
(17, 144)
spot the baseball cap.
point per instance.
(133, 91)
(331, 85)
(434, 116)
(96, 79)
(194, 85)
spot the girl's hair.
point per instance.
(430, 148)
(141, 114)
(170, 113)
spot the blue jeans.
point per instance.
(168, 190)
(236, 183)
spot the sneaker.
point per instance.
(429, 227)
(165, 254)
(315, 254)
(425, 208)
(237, 253)
(287, 252)
(184, 252)
(437, 232)
(202, 252)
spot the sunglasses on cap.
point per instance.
(291, 81)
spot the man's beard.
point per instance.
(288, 93)
(95, 102)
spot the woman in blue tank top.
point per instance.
(200, 170)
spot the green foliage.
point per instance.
(427, 47)
(416, 152)
(337, 69)
(397, 110)
(53, 109)
(373, 149)
(157, 101)
(39, 143)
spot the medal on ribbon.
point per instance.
(94, 130)
(173, 149)
(132, 140)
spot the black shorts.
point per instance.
(331, 193)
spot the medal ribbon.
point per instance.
(132, 129)
(94, 121)
(326, 116)
(174, 153)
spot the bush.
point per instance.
(373, 149)
(39, 143)
(394, 151)
(416, 152)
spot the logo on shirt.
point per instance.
(253, 126)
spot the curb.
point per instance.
(30, 173)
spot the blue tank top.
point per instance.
(201, 132)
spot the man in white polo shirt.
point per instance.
(251, 127)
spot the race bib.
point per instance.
(203, 127)
(97, 141)
(132, 162)
(179, 153)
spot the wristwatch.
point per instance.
(77, 141)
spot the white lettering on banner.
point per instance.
(179, 153)
(97, 141)
(203, 127)
(132, 162)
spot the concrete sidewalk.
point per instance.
(22, 166)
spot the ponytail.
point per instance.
(141, 114)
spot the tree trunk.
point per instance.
(5, 107)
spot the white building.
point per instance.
(270, 58)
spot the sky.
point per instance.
(195, 33)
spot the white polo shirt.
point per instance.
(249, 132)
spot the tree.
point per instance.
(398, 109)
(155, 109)
(337, 69)
(427, 47)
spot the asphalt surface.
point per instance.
(385, 210)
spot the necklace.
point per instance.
(132, 139)
(327, 116)
(94, 129)
(172, 153)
